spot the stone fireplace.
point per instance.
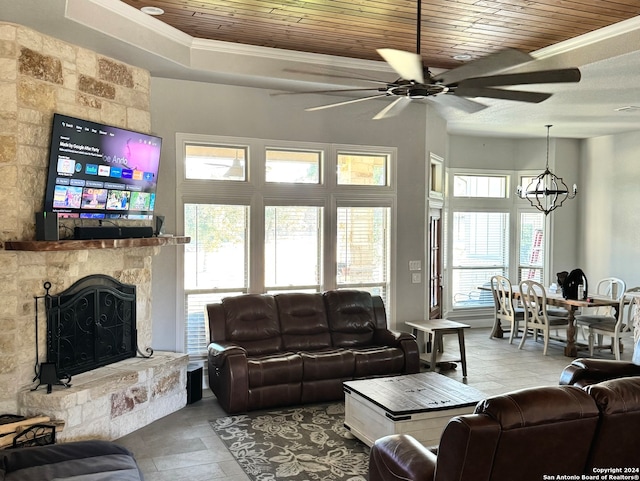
(42, 75)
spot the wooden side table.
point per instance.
(433, 330)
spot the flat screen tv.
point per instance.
(98, 171)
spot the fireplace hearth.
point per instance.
(91, 324)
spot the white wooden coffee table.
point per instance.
(417, 404)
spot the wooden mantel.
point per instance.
(74, 245)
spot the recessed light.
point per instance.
(152, 10)
(462, 56)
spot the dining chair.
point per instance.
(616, 326)
(536, 319)
(505, 307)
(610, 287)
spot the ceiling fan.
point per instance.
(454, 87)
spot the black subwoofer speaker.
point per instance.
(194, 383)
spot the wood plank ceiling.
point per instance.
(356, 28)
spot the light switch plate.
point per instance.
(415, 265)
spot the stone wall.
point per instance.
(114, 400)
(40, 75)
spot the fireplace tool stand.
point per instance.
(47, 372)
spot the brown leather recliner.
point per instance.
(586, 371)
(522, 436)
(288, 349)
(616, 441)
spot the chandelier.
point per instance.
(547, 191)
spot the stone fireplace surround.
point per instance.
(41, 75)
(90, 325)
(114, 400)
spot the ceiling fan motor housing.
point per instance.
(413, 90)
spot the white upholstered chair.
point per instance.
(505, 306)
(536, 319)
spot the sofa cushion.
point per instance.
(252, 322)
(80, 460)
(274, 369)
(351, 318)
(377, 361)
(303, 321)
(615, 443)
(328, 364)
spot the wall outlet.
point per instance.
(416, 278)
(415, 265)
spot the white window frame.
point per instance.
(256, 193)
(511, 204)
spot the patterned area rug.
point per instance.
(306, 443)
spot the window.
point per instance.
(363, 249)
(263, 217)
(480, 251)
(215, 162)
(362, 169)
(215, 263)
(296, 167)
(292, 248)
(531, 246)
(491, 233)
(479, 186)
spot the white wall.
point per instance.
(193, 107)
(611, 215)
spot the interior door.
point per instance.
(435, 264)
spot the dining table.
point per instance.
(556, 299)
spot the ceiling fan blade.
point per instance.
(519, 95)
(321, 107)
(393, 109)
(406, 64)
(324, 74)
(539, 77)
(485, 65)
(460, 103)
(275, 94)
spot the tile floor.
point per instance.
(183, 446)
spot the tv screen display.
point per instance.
(98, 171)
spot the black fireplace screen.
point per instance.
(91, 324)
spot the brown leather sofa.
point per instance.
(525, 435)
(585, 371)
(297, 348)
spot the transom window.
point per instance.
(362, 169)
(297, 167)
(480, 186)
(210, 162)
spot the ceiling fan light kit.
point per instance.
(547, 191)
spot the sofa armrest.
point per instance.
(584, 371)
(404, 341)
(387, 337)
(229, 376)
(220, 351)
(400, 456)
